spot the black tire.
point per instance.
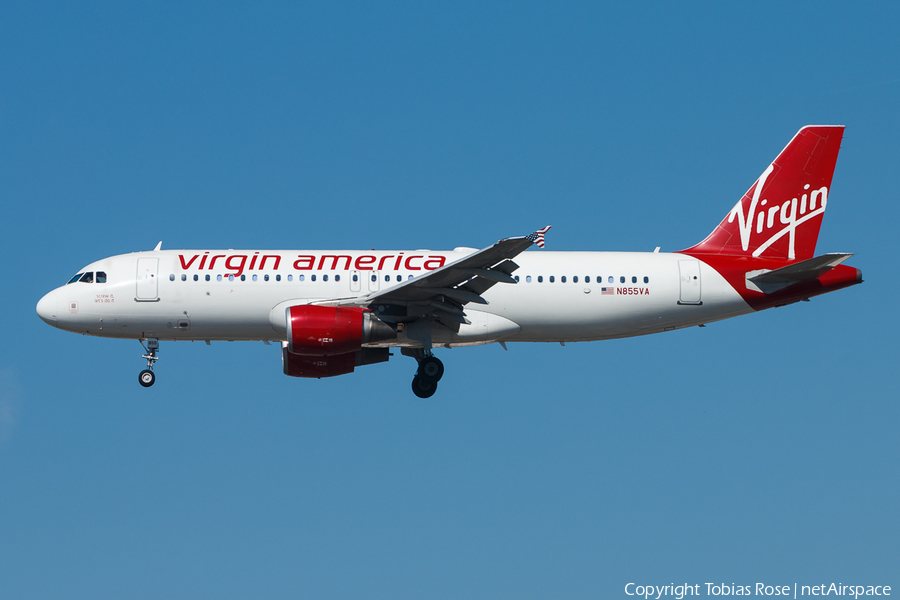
(431, 369)
(423, 388)
(146, 378)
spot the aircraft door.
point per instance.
(355, 283)
(689, 270)
(147, 285)
(373, 280)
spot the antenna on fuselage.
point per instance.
(158, 246)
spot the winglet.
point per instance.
(538, 236)
(158, 246)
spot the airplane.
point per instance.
(333, 311)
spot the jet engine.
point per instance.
(331, 330)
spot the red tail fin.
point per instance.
(780, 215)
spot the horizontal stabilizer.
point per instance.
(769, 282)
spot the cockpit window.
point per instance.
(87, 277)
(76, 278)
(101, 277)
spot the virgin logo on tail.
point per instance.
(780, 215)
(810, 205)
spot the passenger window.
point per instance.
(621, 279)
(517, 279)
(528, 279)
(87, 277)
(207, 277)
(552, 279)
(101, 277)
(399, 277)
(301, 278)
(183, 277)
(410, 277)
(254, 277)
(374, 278)
(291, 277)
(266, 277)
(387, 278)
(575, 279)
(355, 277)
(243, 278)
(278, 277)
(218, 278)
(633, 279)
(337, 277)
(172, 277)
(540, 279)
(646, 280)
(196, 277)
(231, 277)
(563, 279)
(324, 277)
(611, 279)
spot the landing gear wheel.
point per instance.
(423, 388)
(431, 369)
(146, 378)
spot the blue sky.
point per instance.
(760, 449)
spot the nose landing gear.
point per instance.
(146, 377)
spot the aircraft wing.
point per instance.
(450, 287)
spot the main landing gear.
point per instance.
(430, 371)
(147, 377)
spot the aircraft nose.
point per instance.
(46, 309)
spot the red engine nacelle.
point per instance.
(330, 330)
(296, 365)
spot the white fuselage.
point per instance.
(559, 297)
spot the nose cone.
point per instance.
(46, 308)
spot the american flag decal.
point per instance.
(538, 236)
(607, 291)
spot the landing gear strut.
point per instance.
(147, 377)
(430, 371)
